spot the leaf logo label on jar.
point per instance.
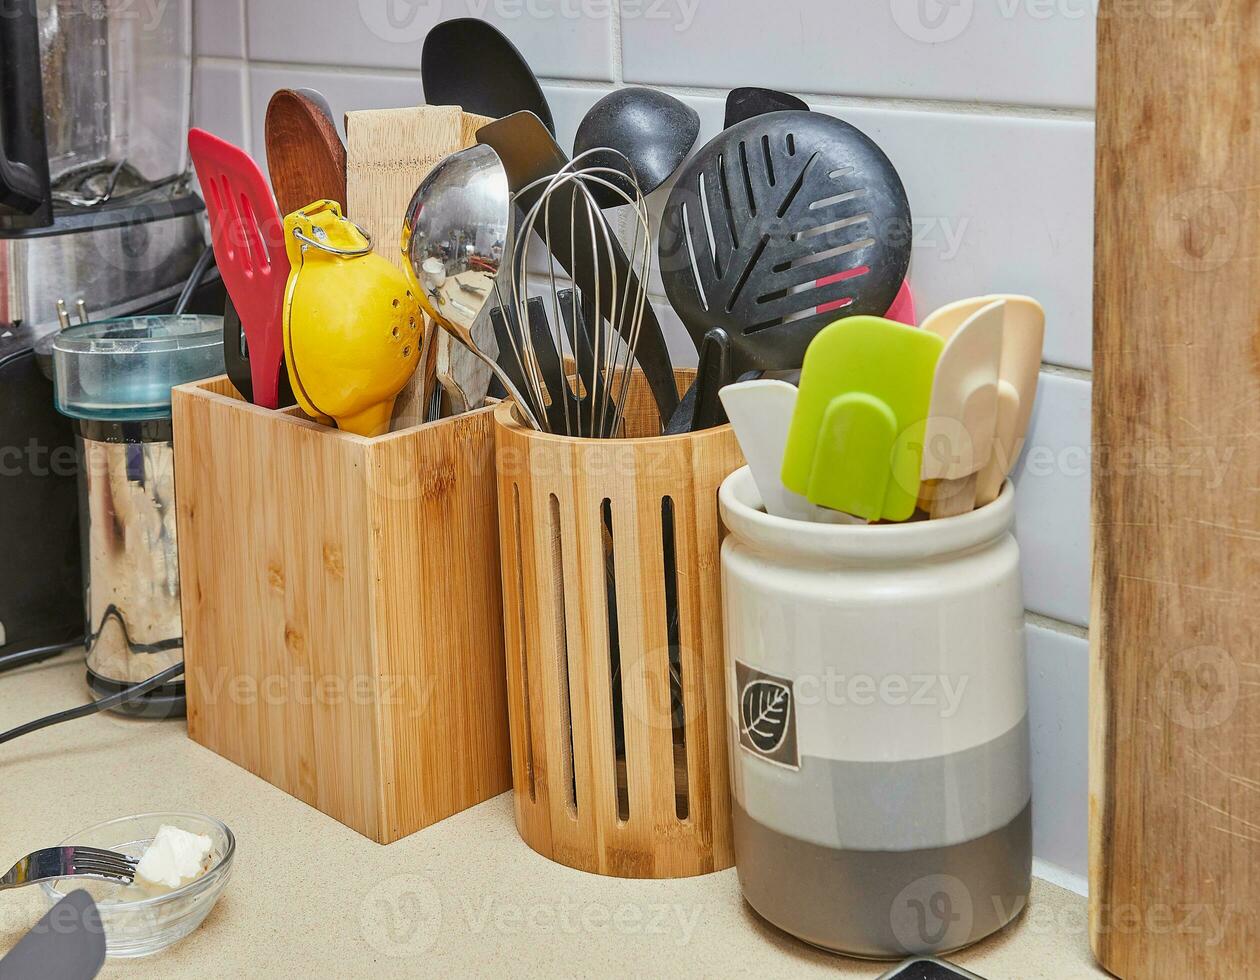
(767, 716)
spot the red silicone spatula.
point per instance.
(248, 237)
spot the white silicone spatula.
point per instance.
(761, 414)
(962, 423)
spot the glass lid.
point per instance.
(124, 369)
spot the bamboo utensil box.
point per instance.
(612, 608)
(341, 605)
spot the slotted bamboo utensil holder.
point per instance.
(614, 643)
(341, 603)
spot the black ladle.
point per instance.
(744, 103)
(471, 64)
(651, 129)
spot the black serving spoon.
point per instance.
(471, 64)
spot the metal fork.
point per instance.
(72, 861)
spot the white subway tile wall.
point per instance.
(985, 109)
(1029, 52)
(1058, 719)
(561, 38)
(219, 28)
(1052, 502)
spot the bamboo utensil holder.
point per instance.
(341, 604)
(613, 625)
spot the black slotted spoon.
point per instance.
(777, 227)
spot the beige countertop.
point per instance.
(466, 897)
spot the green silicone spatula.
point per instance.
(855, 443)
(962, 422)
(1023, 333)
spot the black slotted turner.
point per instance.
(778, 226)
(588, 411)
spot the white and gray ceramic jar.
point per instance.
(878, 718)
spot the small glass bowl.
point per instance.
(146, 925)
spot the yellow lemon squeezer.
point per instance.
(352, 324)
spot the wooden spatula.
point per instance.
(389, 152)
(305, 155)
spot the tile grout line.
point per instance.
(1065, 371)
(618, 62)
(247, 85)
(1003, 110)
(1056, 625)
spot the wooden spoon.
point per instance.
(305, 155)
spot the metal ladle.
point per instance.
(455, 234)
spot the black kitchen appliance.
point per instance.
(97, 218)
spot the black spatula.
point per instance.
(68, 943)
(759, 217)
(587, 411)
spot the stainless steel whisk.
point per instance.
(582, 391)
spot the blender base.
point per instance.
(167, 701)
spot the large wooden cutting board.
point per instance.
(1175, 712)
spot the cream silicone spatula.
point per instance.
(962, 422)
(1023, 332)
(760, 411)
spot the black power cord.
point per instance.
(92, 707)
(10, 661)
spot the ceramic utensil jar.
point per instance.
(877, 713)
